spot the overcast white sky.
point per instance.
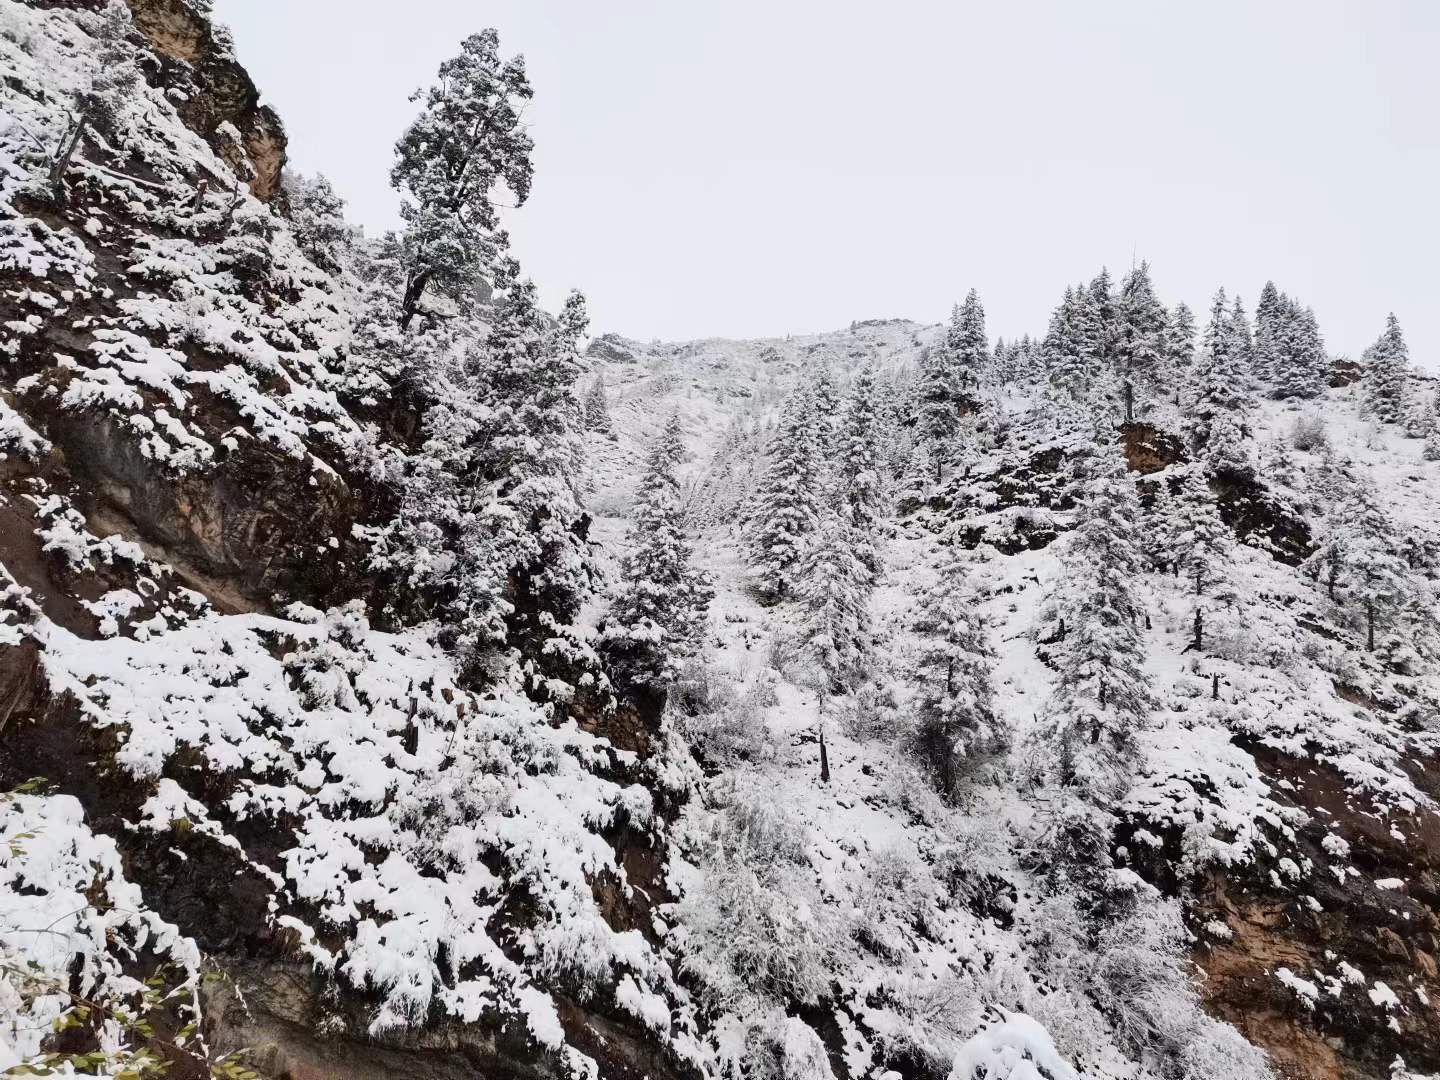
(770, 166)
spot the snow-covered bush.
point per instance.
(772, 1046)
(1309, 434)
(871, 712)
(756, 929)
(723, 725)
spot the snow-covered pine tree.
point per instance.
(950, 375)
(955, 715)
(489, 536)
(1387, 375)
(1219, 403)
(786, 507)
(468, 138)
(835, 587)
(1242, 344)
(1178, 350)
(527, 490)
(317, 221)
(1432, 433)
(657, 619)
(969, 344)
(1001, 369)
(1139, 341)
(597, 407)
(1197, 544)
(1273, 312)
(827, 412)
(1065, 349)
(1301, 366)
(938, 401)
(1359, 551)
(1102, 694)
(859, 488)
(1100, 318)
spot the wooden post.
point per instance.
(1215, 687)
(1199, 630)
(824, 758)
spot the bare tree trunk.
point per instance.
(66, 151)
(1215, 687)
(1199, 630)
(414, 290)
(824, 757)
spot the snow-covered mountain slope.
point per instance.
(318, 756)
(1284, 795)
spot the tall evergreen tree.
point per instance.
(1301, 368)
(1067, 349)
(827, 411)
(835, 588)
(1100, 318)
(490, 536)
(1273, 313)
(1432, 433)
(1360, 553)
(956, 718)
(1197, 541)
(1387, 375)
(786, 509)
(1139, 341)
(1219, 403)
(859, 486)
(1242, 345)
(597, 407)
(468, 138)
(1102, 694)
(968, 343)
(657, 619)
(533, 469)
(939, 394)
(1178, 349)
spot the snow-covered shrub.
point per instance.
(871, 712)
(772, 1046)
(973, 851)
(898, 891)
(757, 930)
(726, 727)
(700, 688)
(1309, 434)
(324, 670)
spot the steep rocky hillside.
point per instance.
(269, 806)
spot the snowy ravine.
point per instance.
(338, 736)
